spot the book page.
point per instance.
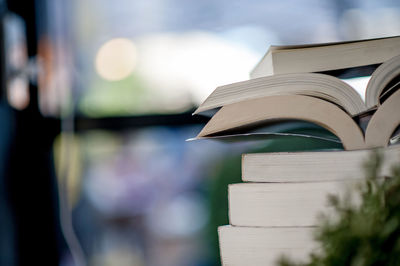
(359, 84)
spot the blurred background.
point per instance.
(95, 107)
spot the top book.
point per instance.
(325, 57)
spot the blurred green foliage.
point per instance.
(367, 233)
(116, 98)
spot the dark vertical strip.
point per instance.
(31, 177)
(8, 254)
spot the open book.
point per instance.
(318, 98)
(382, 83)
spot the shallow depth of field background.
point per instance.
(142, 195)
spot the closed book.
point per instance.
(258, 246)
(313, 166)
(326, 56)
(283, 204)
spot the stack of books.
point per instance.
(275, 210)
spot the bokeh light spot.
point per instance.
(116, 59)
